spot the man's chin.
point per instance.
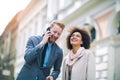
(52, 40)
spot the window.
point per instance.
(119, 28)
(93, 33)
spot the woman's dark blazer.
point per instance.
(32, 69)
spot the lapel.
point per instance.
(40, 51)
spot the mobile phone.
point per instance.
(48, 29)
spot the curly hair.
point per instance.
(85, 38)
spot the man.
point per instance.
(42, 53)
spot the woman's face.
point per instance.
(76, 39)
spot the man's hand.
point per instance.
(49, 78)
(45, 38)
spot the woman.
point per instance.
(79, 64)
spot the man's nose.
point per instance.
(56, 35)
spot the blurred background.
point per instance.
(100, 17)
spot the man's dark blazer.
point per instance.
(32, 69)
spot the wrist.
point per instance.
(41, 43)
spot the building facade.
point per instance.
(8, 50)
(100, 17)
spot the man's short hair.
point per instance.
(59, 23)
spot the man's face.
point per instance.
(55, 33)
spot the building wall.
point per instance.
(30, 25)
(100, 16)
(103, 23)
(103, 15)
(8, 52)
